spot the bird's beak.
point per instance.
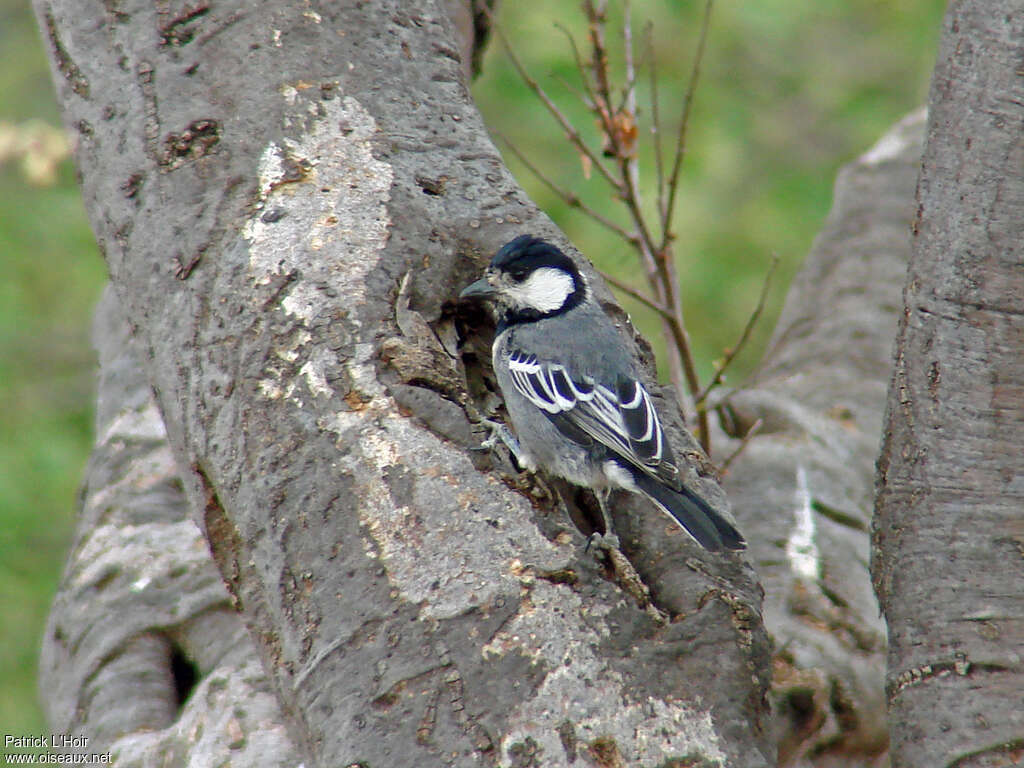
(481, 289)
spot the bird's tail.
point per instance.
(708, 527)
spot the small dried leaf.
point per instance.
(625, 128)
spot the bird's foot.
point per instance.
(499, 433)
(625, 574)
(631, 582)
(602, 542)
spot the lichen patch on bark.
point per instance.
(322, 219)
(596, 699)
(410, 502)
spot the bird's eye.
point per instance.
(518, 275)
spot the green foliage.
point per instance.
(790, 91)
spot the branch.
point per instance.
(591, 100)
(647, 301)
(659, 160)
(754, 429)
(691, 89)
(570, 199)
(570, 131)
(731, 354)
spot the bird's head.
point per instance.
(529, 279)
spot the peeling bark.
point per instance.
(950, 529)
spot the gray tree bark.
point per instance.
(287, 201)
(141, 605)
(802, 489)
(406, 605)
(950, 527)
(828, 663)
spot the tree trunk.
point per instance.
(287, 202)
(802, 488)
(142, 619)
(950, 528)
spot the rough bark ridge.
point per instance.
(802, 489)
(950, 529)
(262, 185)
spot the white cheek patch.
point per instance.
(545, 290)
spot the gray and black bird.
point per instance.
(572, 392)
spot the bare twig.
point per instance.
(568, 197)
(659, 161)
(754, 429)
(625, 156)
(599, 64)
(629, 88)
(691, 88)
(572, 89)
(731, 354)
(681, 338)
(632, 292)
(591, 101)
(570, 131)
(643, 61)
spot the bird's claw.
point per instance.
(499, 433)
(601, 541)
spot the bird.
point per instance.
(574, 399)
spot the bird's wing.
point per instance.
(622, 419)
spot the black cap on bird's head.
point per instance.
(529, 279)
(527, 253)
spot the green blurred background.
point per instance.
(791, 89)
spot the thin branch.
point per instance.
(682, 344)
(731, 354)
(754, 429)
(641, 62)
(584, 99)
(659, 161)
(568, 197)
(570, 131)
(591, 100)
(626, 184)
(691, 88)
(596, 20)
(629, 88)
(628, 187)
(599, 66)
(629, 290)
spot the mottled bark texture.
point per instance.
(949, 564)
(802, 489)
(144, 653)
(288, 198)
